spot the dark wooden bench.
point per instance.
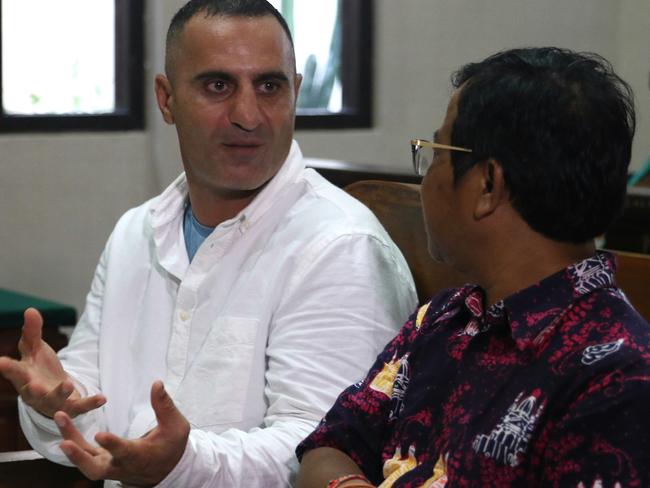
(27, 469)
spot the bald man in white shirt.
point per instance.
(253, 288)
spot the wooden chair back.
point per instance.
(398, 208)
(633, 277)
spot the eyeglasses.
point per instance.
(423, 153)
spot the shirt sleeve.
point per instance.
(79, 360)
(604, 440)
(336, 313)
(359, 422)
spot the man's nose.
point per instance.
(245, 112)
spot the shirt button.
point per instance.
(184, 315)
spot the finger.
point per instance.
(166, 412)
(32, 332)
(44, 399)
(32, 394)
(94, 467)
(57, 396)
(70, 432)
(79, 406)
(14, 371)
(118, 447)
(66, 398)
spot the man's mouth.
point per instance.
(243, 143)
(243, 149)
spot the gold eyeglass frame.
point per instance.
(417, 144)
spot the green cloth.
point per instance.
(13, 304)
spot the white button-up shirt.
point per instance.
(281, 308)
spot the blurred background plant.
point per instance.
(318, 40)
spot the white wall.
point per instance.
(632, 61)
(61, 194)
(59, 198)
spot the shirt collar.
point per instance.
(288, 173)
(166, 212)
(172, 201)
(531, 311)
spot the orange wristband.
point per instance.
(335, 483)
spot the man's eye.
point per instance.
(218, 86)
(269, 87)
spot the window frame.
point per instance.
(129, 75)
(356, 72)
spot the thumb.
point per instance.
(31, 334)
(167, 414)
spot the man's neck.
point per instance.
(211, 209)
(527, 263)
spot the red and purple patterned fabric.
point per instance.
(548, 387)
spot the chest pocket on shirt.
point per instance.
(215, 387)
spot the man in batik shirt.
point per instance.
(538, 374)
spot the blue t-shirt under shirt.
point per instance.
(194, 231)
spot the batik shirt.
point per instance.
(548, 387)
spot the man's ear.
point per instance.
(297, 82)
(164, 97)
(492, 186)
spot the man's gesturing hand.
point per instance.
(39, 377)
(144, 461)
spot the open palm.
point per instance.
(39, 377)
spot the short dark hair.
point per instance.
(561, 125)
(226, 8)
